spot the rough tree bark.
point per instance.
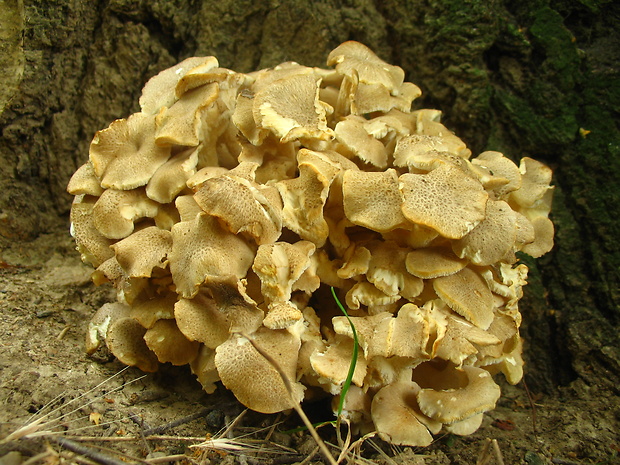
(533, 78)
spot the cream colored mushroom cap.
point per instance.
(125, 155)
(282, 315)
(433, 262)
(466, 426)
(468, 295)
(332, 365)
(525, 233)
(84, 181)
(365, 293)
(460, 340)
(159, 91)
(291, 109)
(373, 200)
(265, 392)
(202, 250)
(199, 319)
(242, 206)
(352, 134)
(203, 73)
(355, 262)
(387, 270)
(116, 211)
(93, 246)
(429, 125)
(543, 237)
(364, 327)
(304, 197)
(143, 251)
(406, 335)
(243, 118)
(492, 239)
(536, 177)
(203, 366)
(398, 418)
(101, 321)
(498, 166)
(125, 339)
(170, 344)
(279, 266)
(451, 405)
(171, 177)
(353, 57)
(181, 123)
(187, 207)
(147, 310)
(425, 152)
(445, 200)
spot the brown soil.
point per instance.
(46, 299)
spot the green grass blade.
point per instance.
(349, 379)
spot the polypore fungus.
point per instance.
(227, 206)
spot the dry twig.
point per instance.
(490, 449)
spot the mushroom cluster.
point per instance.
(231, 203)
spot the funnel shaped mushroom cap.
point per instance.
(387, 271)
(543, 233)
(203, 366)
(282, 315)
(351, 133)
(279, 266)
(147, 310)
(534, 182)
(397, 416)
(265, 392)
(466, 426)
(451, 405)
(171, 177)
(290, 107)
(305, 196)
(405, 335)
(332, 365)
(445, 199)
(458, 339)
(200, 320)
(500, 173)
(181, 123)
(426, 152)
(211, 319)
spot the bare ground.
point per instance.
(46, 300)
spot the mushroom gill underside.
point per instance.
(231, 203)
